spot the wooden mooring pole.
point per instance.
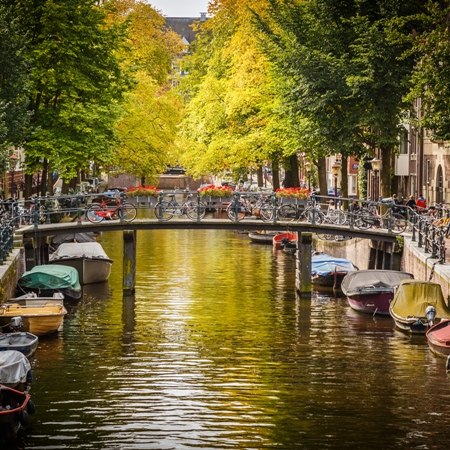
(129, 262)
(303, 265)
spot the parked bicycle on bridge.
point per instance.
(116, 208)
(192, 208)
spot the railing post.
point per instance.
(160, 205)
(420, 232)
(274, 207)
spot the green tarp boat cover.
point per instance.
(50, 276)
(413, 296)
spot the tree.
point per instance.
(13, 81)
(76, 85)
(152, 110)
(231, 119)
(431, 76)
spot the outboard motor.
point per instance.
(430, 314)
(16, 323)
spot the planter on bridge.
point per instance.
(216, 203)
(143, 201)
(292, 196)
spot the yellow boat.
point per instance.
(40, 315)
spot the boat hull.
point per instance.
(373, 303)
(37, 319)
(90, 270)
(14, 409)
(278, 240)
(20, 341)
(330, 280)
(438, 338)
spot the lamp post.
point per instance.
(376, 166)
(335, 168)
(308, 174)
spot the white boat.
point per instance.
(88, 258)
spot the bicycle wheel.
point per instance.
(195, 210)
(127, 212)
(92, 213)
(314, 215)
(287, 213)
(398, 223)
(266, 212)
(336, 216)
(164, 211)
(236, 211)
(363, 220)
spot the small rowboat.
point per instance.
(438, 338)
(21, 341)
(15, 406)
(280, 238)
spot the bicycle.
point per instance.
(242, 206)
(115, 209)
(369, 216)
(166, 209)
(271, 211)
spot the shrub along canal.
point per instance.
(216, 351)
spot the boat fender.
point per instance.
(31, 408)
(24, 418)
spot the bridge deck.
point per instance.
(204, 224)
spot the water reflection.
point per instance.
(215, 350)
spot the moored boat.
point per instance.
(262, 237)
(329, 271)
(88, 258)
(47, 279)
(40, 315)
(15, 370)
(15, 407)
(417, 306)
(283, 237)
(438, 338)
(371, 291)
(21, 341)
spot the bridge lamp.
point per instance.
(335, 169)
(376, 167)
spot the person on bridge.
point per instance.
(421, 203)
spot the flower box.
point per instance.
(143, 201)
(215, 192)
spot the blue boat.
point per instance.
(329, 271)
(21, 341)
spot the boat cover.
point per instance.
(50, 276)
(74, 237)
(323, 264)
(14, 367)
(375, 280)
(413, 296)
(79, 249)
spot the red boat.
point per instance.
(371, 291)
(279, 239)
(438, 337)
(14, 409)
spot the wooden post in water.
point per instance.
(303, 265)
(129, 261)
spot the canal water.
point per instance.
(215, 351)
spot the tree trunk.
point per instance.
(275, 174)
(386, 172)
(28, 188)
(322, 173)
(291, 178)
(260, 176)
